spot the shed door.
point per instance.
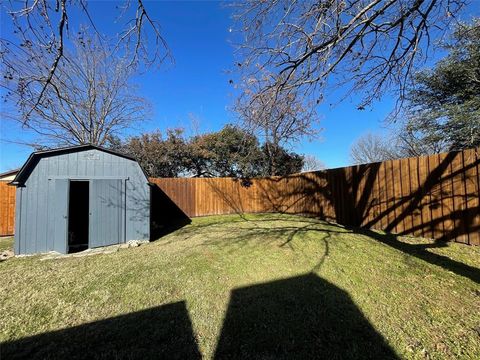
(61, 215)
(107, 212)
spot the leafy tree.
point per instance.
(159, 156)
(443, 106)
(232, 152)
(283, 161)
(229, 152)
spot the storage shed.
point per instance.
(80, 197)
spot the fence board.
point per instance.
(425, 182)
(436, 200)
(472, 218)
(7, 209)
(447, 197)
(459, 204)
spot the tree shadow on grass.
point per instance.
(326, 230)
(247, 230)
(163, 332)
(310, 224)
(303, 317)
(420, 251)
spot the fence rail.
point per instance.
(431, 196)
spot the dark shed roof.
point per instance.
(9, 172)
(34, 157)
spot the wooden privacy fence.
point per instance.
(7, 209)
(431, 196)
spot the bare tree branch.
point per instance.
(369, 46)
(61, 25)
(278, 118)
(88, 99)
(34, 31)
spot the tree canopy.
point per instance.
(230, 152)
(443, 105)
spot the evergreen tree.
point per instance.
(443, 107)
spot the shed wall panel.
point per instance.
(18, 200)
(107, 209)
(61, 215)
(38, 200)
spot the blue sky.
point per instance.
(197, 84)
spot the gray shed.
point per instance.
(80, 197)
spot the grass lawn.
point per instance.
(6, 243)
(263, 286)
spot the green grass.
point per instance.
(6, 243)
(263, 286)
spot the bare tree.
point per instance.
(400, 142)
(88, 99)
(371, 148)
(278, 119)
(41, 28)
(311, 163)
(410, 143)
(369, 45)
